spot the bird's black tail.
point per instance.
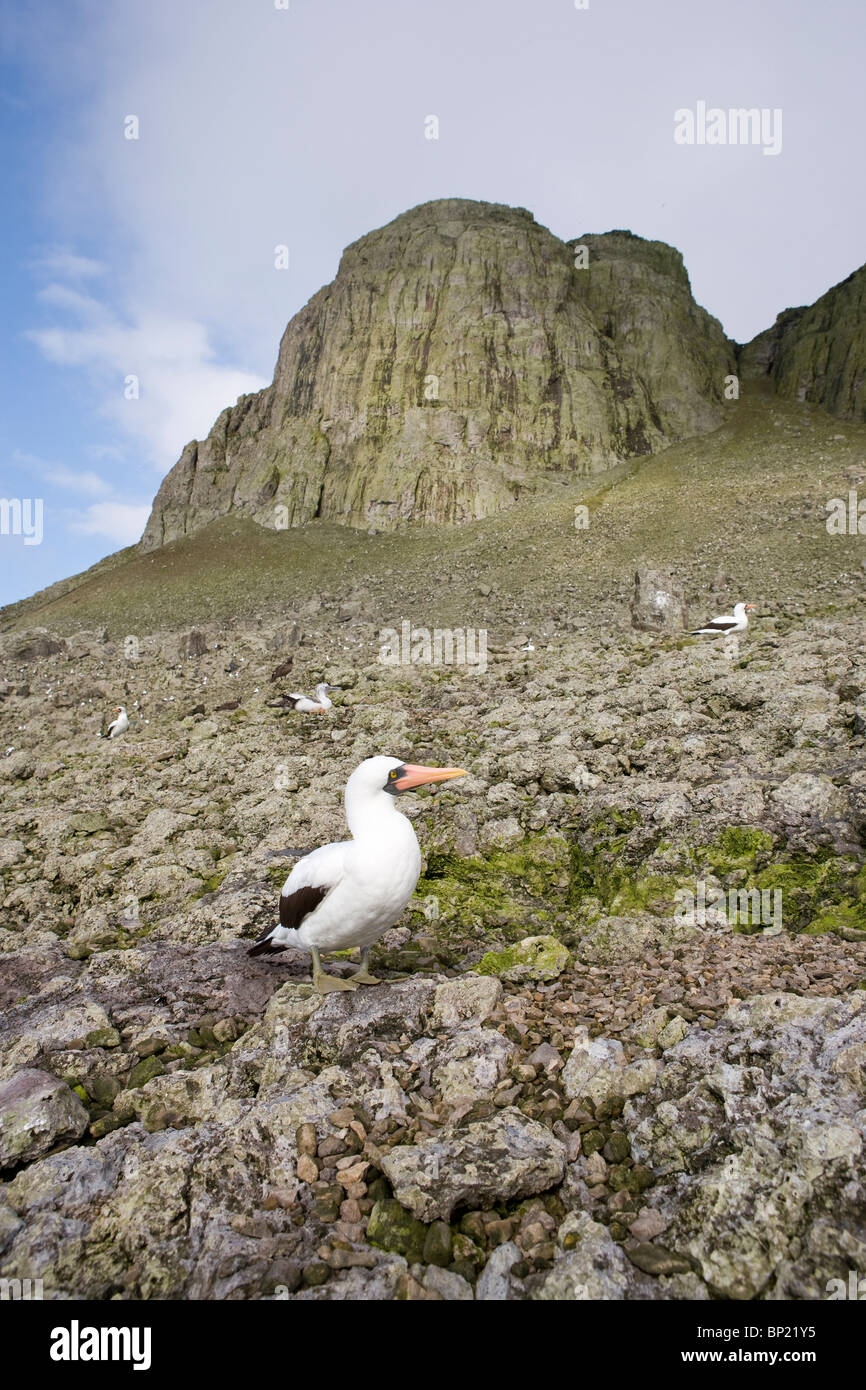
(265, 946)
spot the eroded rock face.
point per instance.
(639, 292)
(818, 354)
(458, 355)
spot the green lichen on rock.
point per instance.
(534, 958)
(738, 847)
(209, 885)
(506, 888)
(144, 1071)
(103, 1037)
(438, 1244)
(818, 354)
(392, 1227)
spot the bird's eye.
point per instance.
(393, 773)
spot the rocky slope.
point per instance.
(565, 1089)
(818, 354)
(611, 1112)
(457, 359)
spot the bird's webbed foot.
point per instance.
(329, 984)
(362, 975)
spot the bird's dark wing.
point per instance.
(308, 884)
(294, 907)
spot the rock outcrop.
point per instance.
(818, 354)
(639, 295)
(37, 1113)
(459, 355)
(659, 603)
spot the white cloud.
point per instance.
(62, 261)
(179, 387)
(122, 522)
(74, 481)
(60, 475)
(100, 452)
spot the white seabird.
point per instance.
(119, 725)
(728, 622)
(304, 705)
(348, 893)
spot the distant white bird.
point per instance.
(119, 725)
(304, 705)
(728, 622)
(529, 646)
(348, 893)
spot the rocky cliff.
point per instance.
(638, 293)
(459, 356)
(818, 354)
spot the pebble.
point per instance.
(305, 1138)
(306, 1168)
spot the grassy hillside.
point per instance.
(748, 499)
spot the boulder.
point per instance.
(498, 1159)
(37, 1113)
(658, 604)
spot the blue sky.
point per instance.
(304, 126)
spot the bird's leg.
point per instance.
(327, 984)
(362, 975)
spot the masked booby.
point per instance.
(119, 725)
(348, 893)
(304, 705)
(728, 622)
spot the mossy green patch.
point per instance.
(505, 889)
(391, 1227)
(600, 868)
(534, 958)
(845, 917)
(209, 885)
(819, 892)
(738, 847)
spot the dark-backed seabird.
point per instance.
(728, 622)
(304, 705)
(348, 893)
(119, 725)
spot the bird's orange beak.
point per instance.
(416, 776)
